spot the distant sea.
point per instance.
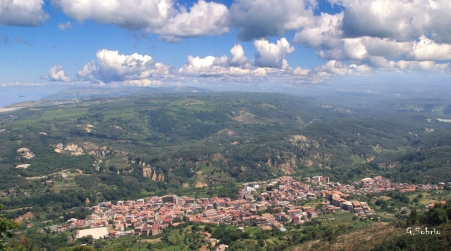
(13, 95)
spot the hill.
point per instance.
(180, 142)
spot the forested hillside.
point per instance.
(127, 147)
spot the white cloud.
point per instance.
(364, 48)
(114, 67)
(133, 15)
(385, 34)
(238, 69)
(201, 62)
(211, 66)
(401, 20)
(378, 51)
(272, 55)
(324, 32)
(238, 56)
(429, 66)
(332, 67)
(204, 18)
(337, 68)
(154, 16)
(56, 73)
(89, 71)
(301, 72)
(64, 26)
(263, 18)
(22, 12)
(426, 49)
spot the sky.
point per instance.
(59, 43)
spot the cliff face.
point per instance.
(287, 167)
(87, 147)
(149, 172)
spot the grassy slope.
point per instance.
(364, 239)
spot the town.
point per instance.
(267, 204)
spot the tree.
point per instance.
(25, 244)
(6, 230)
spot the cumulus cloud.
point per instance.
(207, 67)
(364, 47)
(426, 49)
(56, 73)
(238, 69)
(399, 20)
(89, 71)
(132, 15)
(238, 56)
(429, 66)
(398, 35)
(64, 26)
(337, 68)
(22, 13)
(263, 18)
(204, 18)
(269, 60)
(155, 16)
(378, 51)
(212, 66)
(324, 32)
(110, 66)
(272, 55)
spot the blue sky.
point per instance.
(168, 42)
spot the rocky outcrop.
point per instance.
(201, 184)
(303, 141)
(227, 132)
(286, 167)
(23, 166)
(149, 172)
(25, 153)
(89, 128)
(74, 149)
(87, 147)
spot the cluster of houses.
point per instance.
(268, 204)
(12, 192)
(378, 184)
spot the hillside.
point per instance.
(179, 142)
(363, 239)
